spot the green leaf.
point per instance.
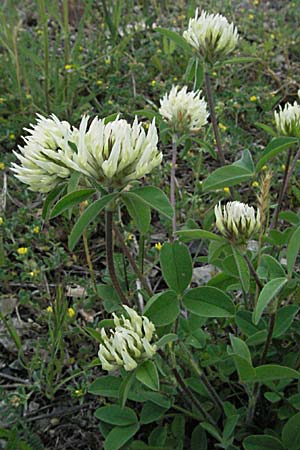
(118, 436)
(139, 212)
(291, 432)
(86, 218)
(207, 301)
(266, 128)
(155, 198)
(191, 235)
(175, 37)
(237, 60)
(262, 442)
(284, 319)
(147, 374)
(70, 200)
(273, 148)
(125, 387)
(270, 372)
(274, 267)
(171, 337)
(240, 348)
(198, 438)
(115, 415)
(240, 171)
(243, 319)
(293, 250)
(177, 266)
(243, 269)
(107, 386)
(151, 412)
(268, 292)
(163, 308)
(50, 199)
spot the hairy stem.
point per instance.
(130, 258)
(281, 191)
(110, 255)
(253, 272)
(172, 181)
(193, 399)
(213, 117)
(269, 338)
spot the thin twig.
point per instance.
(253, 272)
(269, 338)
(172, 181)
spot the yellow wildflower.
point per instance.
(2, 100)
(253, 98)
(107, 61)
(22, 250)
(153, 83)
(34, 273)
(264, 168)
(175, 78)
(109, 102)
(78, 392)
(1, 220)
(226, 190)
(255, 184)
(282, 167)
(80, 48)
(158, 246)
(222, 127)
(39, 32)
(71, 313)
(2, 166)
(99, 82)
(251, 16)
(12, 136)
(36, 229)
(49, 309)
(68, 66)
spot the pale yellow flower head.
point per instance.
(212, 35)
(116, 152)
(287, 120)
(45, 154)
(184, 111)
(237, 221)
(128, 343)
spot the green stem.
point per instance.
(110, 255)
(66, 47)
(253, 272)
(46, 52)
(281, 191)
(269, 338)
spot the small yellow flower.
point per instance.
(78, 392)
(251, 16)
(264, 168)
(99, 82)
(272, 36)
(1, 220)
(222, 127)
(147, 125)
(253, 98)
(226, 190)
(12, 136)
(2, 166)
(28, 96)
(49, 309)
(2, 100)
(214, 74)
(80, 48)
(109, 102)
(282, 167)
(39, 32)
(175, 78)
(255, 184)
(107, 61)
(36, 230)
(71, 360)
(158, 51)
(256, 2)
(22, 250)
(68, 66)
(71, 312)
(129, 237)
(153, 83)
(158, 246)
(34, 273)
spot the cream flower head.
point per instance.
(45, 155)
(212, 35)
(287, 120)
(184, 111)
(128, 343)
(237, 221)
(116, 152)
